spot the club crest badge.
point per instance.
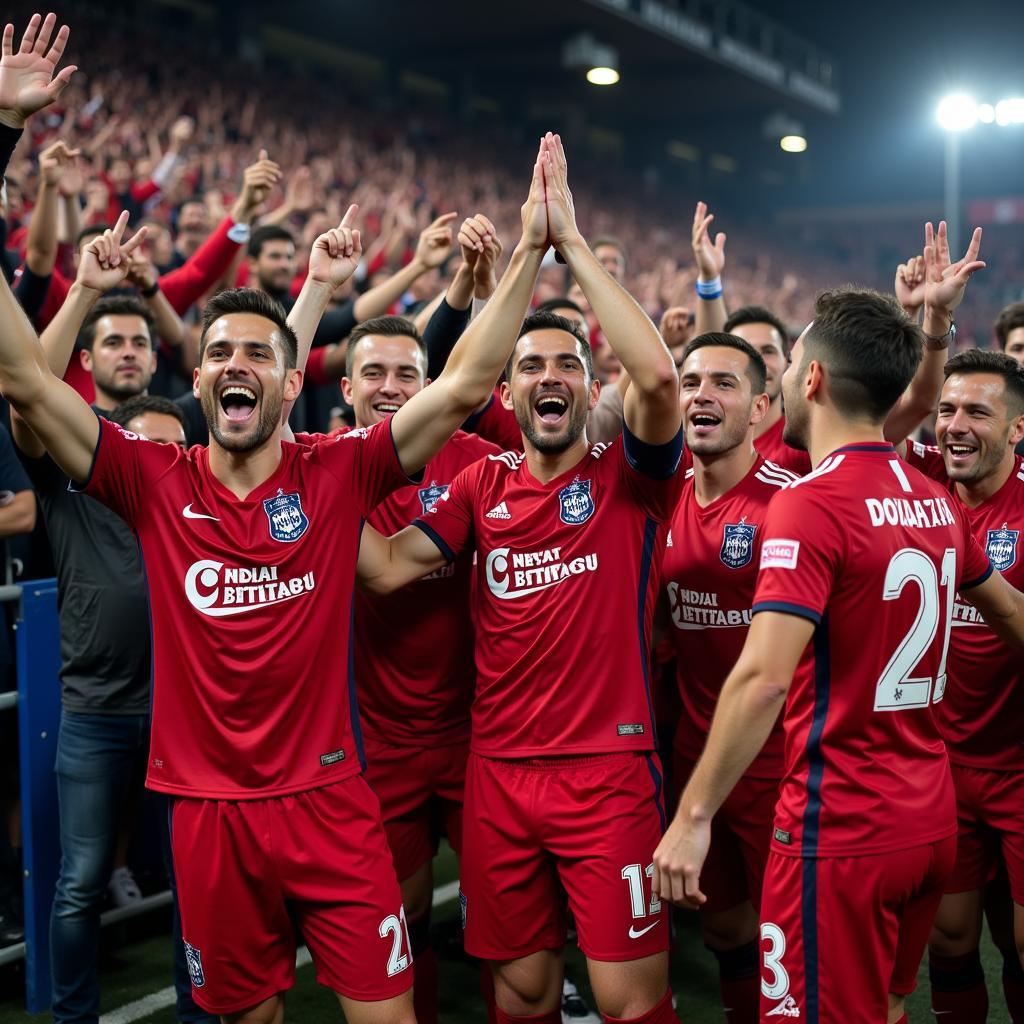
(194, 959)
(737, 545)
(287, 520)
(1001, 547)
(575, 505)
(430, 496)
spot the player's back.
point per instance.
(872, 552)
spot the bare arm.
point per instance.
(387, 563)
(748, 706)
(1001, 606)
(18, 515)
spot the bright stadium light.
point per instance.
(957, 112)
(793, 143)
(986, 113)
(602, 76)
(1010, 111)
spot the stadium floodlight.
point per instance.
(1010, 111)
(602, 76)
(957, 112)
(986, 113)
(793, 143)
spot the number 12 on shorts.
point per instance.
(634, 875)
(398, 930)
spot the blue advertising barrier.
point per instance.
(38, 642)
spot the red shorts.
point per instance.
(246, 870)
(838, 934)
(420, 791)
(544, 833)
(741, 835)
(990, 829)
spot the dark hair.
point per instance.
(869, 347)
(384, 326)
(550, 305)
(91, 231)
(141, 404)
(976, 360)
(115, 305)
(613, 242)
(257, 303)
(545, 321)
(757, 315)
(264, 234)
(1010, 317)
(757, 372)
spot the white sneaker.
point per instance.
(124, 890)
(574, 1007)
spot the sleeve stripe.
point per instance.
(436, 538)
(658, 461)
(788, 608)
(981, 579)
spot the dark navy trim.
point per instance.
(75, 488)
(413, 478)
(353, 703)
(789, 608)
(646, 559)
(473, 419)
(981, 579)
(815, 757)
(436, 538)
(658, 461)
(867, 446)
(809, 923)
(659, 789)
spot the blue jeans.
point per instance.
(97, 757)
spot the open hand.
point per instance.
(710, 258)
(945, 282)
(27, 81)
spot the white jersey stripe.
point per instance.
(897, 468)
(833, 462)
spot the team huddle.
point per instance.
(365, 639)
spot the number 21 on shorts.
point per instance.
(397, 930)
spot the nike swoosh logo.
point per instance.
(189, 514)
(634, 934)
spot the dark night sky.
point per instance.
(896, 61)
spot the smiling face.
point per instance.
(242, 382)
(717, 400)
(386, 372)
(975, 427)
(766, 340)
(121, 359)
(551, 389)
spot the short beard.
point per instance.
(728, 442)
(121, 392)
(547, 443)
(986, 464)
(269, 419)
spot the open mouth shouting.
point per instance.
(704, 423)
(551, 408)
(238, 402)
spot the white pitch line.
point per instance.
(155, 1001)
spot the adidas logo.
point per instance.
(787, 1008)
(499, 512)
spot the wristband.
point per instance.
(709, 289)
(239, 233)
(148, 293)
(943, 341)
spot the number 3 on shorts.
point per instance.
(778, 986)
(399, 932)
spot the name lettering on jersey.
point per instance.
(780, 553)
(575, 505)
(429, 496)
(1001, 547)
(516, 575)
(737, 544)
(965, 614)
(699, 609)
(287, 520)
(218, 591)
(922, 513)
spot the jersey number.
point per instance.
(399, 932)
(898, 688)
(778, 987)
(634, 876)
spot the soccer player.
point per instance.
(709, 572)
(413, 649)
(563, 789)
(859, 566)
(250, 549)
(981, 716)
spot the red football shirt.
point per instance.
(251, 602)
(498, 425)
(567, 573)
(981, 716)
(872, 552)
(709, 572)
(774, 449)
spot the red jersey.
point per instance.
(251, 602)
(872, 552)
(774, 449)
(982, 715)
(710, 571)
(566, 586)
(497, 424)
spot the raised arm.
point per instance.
(711, 313)
(387, 563)
(651, 407)
(430, 417)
